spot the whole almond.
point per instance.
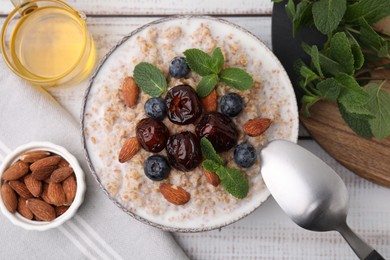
(33, 156)
(61, 210)
(45, 162)
(61, 174)
(70, 188)
(33, 185)
(23, 210)
(129, 149)
(211, 178)
(20, 188)
(37, 219)
(9, 198)
(174, 194)
(56, 194)
(130, 91)
(41, 209)
(209, 103)
(63, 163)
(44, 196)
(43, 173)
(256, 126)
(47, 180)
(16, 171)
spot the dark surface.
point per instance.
(288, 48)
(374, 255)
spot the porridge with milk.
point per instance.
(109, 122)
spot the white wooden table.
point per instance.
(267, 233)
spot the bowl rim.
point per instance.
(294, 131)
(16, 218)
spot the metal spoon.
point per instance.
(310, 192)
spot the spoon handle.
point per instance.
(374, 255)
(361, 248)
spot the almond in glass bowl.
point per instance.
(42, 186)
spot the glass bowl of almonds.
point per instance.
(42, 186)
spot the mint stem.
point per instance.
(352, 30)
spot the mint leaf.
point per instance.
(233, 181)
(379, 104)
(372, 39)
(327, 14)
(356, 51)
(371, 10)
(236, 78)
(358, 123)
(307, 103)
(329, 89)
(302, 15)
(199, 61)
(150, 79)
(210, 165)
(307, 73)
(352, 95)
(290, 9)
(328, 65)
(315, 58)
(217, 60)
(206, 85)
(209, 152)
(341, 51)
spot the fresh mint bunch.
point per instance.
(233, 180)
(210, 67)
(341, 69)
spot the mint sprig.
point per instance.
(341, 69)
(236, 78)
(379, 104)
(209, 152)
(233, 180)
(217, 60)
(199, 61)
(150, 79)
(211, 68)
(327, 14)
(206, 85)
(210, 165)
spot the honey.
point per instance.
(51, 44)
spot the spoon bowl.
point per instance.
(310, 192)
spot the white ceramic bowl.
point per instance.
(18, 219)
(117, 63)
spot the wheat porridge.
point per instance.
(109, 122)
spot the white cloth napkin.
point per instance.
(99, 230)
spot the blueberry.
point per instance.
(245, 155)
(231, 104)
(156, 108)
(157, 168)
(178, 67)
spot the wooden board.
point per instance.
(369, 158)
